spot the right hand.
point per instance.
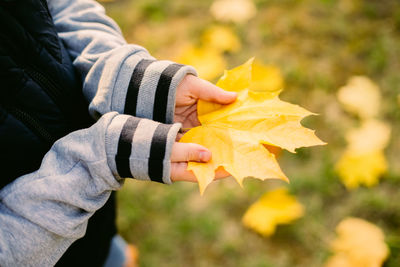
(190, 91)
(182, 153)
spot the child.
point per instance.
(50, 54)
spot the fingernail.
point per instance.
(205, 156)
(232, 93)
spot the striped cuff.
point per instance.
(140, 148)
(151, 90)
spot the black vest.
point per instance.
(41, 101)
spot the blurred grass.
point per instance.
(318, 45)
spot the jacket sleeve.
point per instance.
(42, 213)
(116, 76)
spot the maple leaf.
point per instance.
(236, 133)
(359, 244)
(360, 96)
(364, 161)
(357, 169)
(372, 135)
(273, 208)
(235, 152)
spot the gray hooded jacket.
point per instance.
(44, 212)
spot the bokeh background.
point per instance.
(318, 45)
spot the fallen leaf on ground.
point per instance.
(273, 208)
(372, 135)
(364, 162)
(237, 11)
(360, 96)
(361, 169)
(359, 244)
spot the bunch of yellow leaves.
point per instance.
(273, 208)
(359, 244)
(236, 133)
(364, 161)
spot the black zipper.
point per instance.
(31, 123)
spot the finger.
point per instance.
(205, 90)
(189, 152)
(179, 172)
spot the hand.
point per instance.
(188, 93)
(182, 153)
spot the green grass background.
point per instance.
(318, 45)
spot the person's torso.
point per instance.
(40, 102)
(40, 96)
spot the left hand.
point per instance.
(190, 91)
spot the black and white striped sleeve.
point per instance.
(151, 90)
(116, 76)
(136, 85)
(143, 148)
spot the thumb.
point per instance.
(183, 152)
(205, 90)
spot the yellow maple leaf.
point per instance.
(359, 244)
(248, 76)
(235, 133)
(232, 150)
(200, 58)
(360, 96)
(357, 169)
(273, 208)
(372, 135)
(364, 161)
(220, 38)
